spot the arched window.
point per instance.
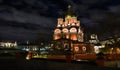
(65, 30)
(57, 31)
(73, 30)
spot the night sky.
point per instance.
(22, 20)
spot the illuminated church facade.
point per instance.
(69, 29)
(68, 34)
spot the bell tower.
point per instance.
(68, 35)
(68, 28)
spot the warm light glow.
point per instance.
(70, 20)
(68, 16)
(67, 36)
(69, 6)
(73, 30)
(57, 31)
(76, 49)
(74, 19)
(118, 50)
(63, 25)
(73, 24)
(97, 49)
(27, 57)
(73, 37)
(65, 30)
(84, 48)
(8, 44)
(40, 56)
(57, 37)
(58, 25)
(60, 21)
(78, 23)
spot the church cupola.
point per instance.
(60, 22)
(68, 28)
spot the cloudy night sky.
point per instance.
(22, 20)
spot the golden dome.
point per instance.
(68, 13)
(68, 16)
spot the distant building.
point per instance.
(111, 45)
(8, 44)
(94, 39)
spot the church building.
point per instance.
(69, 35)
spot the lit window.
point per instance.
(65, 30)
(73, 24)
(57, 31)
(73, 30)
(76, 49)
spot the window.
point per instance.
(65, 30)
(73, 30)
(57, 31)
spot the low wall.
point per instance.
(85, 56)
(74, 57)
(115, 63)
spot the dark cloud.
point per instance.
(25, 17)
(114, 9)
(30, 19)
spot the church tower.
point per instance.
(68, 28)
(69, 35)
